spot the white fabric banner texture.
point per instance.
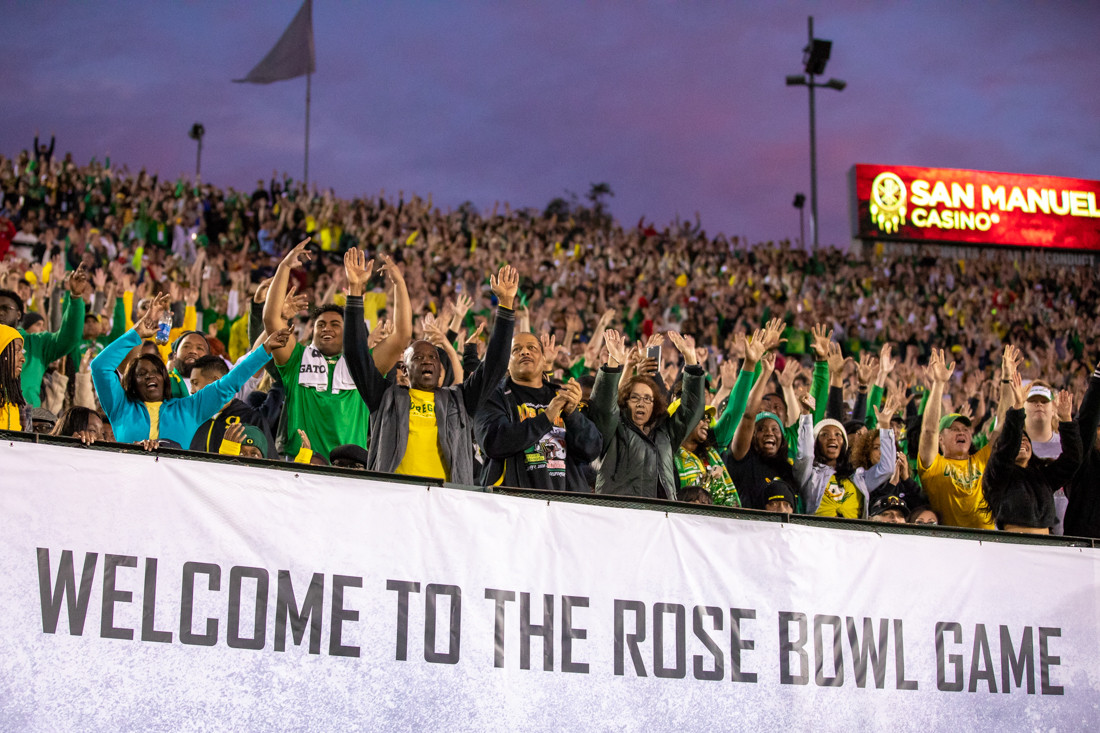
(174, 595)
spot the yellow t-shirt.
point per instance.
(9, 418)
(154, 419)
(372, 303)
(841, 499)
(422, 455)
(954, 489)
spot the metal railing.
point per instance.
(669, 507)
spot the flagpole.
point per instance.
(307, 129)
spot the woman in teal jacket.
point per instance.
(140, 405)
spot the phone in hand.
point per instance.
(654, 352)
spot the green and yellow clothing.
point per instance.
(328, 418)
(954, 489)
(422, 455)
(9, 418)
(841, 499)
(694, 471)
(44, 348)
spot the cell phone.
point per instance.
(654, 352)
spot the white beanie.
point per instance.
(836, 424)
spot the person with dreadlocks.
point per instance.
(140, 405)
(44, 347)
(829, 484)
(14, 411)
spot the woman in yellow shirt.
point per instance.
(13, 408)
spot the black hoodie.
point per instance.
(1024, 495)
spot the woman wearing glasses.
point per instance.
(640, 438)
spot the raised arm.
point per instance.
(370, 382)
(389, 351)
(207, 401)
(276, 295)
(939, 371)
(56, 345)
(104, 367)
(603, 403)
(820, 384)
(1061, 469)
(484, 379)
(742, 439)
(693, 399)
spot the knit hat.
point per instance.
(255, 437)
(7, 335)
(351, 453)
(779, 491)
(836, 424)
(30, 318)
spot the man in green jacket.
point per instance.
(42, 349)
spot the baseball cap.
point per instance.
(255, 437)
(885, 503)
(1038, 390)
(948, 420)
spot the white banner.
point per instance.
(167, 595)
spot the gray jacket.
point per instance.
(389, 402)
(636, 464)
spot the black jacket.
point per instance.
(504, 437)
(208, 438)
(1024, 496)
(1083, 513)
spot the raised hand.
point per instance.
(78, 282)
(822, 337)
(1017, 390)
(357, 269)
(791, 371)
(681, 345)
(755, 348)
(277, 340)
(886, 363)
(146, 328)
(294, 304)
(234, 433)
(616, 349)
(504, 285)
(463, 304)
(1063, 406)
(835, 359)
(727, 371)
(297, 256)
(100, 280)
(767, 365)
(305, 439)
(866, 369)
(392, 271)
(549, 351)
(380, 333)
(938, 368)
(773, 333)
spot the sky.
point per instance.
(680, 107)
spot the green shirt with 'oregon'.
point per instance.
(328, 419)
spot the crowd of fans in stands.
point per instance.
(546, 349)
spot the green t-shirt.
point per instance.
(328, 419)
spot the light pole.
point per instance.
(800, 204)
(814, 58)
(196, 133)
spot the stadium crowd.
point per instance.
(546, 349)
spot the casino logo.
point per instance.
(888, 201)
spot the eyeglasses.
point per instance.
(643, 399)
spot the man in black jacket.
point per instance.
(425, 429)
(531, 429)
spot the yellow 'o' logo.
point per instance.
(888, 202)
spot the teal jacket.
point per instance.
(42, 349)
(179, 418)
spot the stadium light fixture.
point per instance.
(815, 56)
(800, 204)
